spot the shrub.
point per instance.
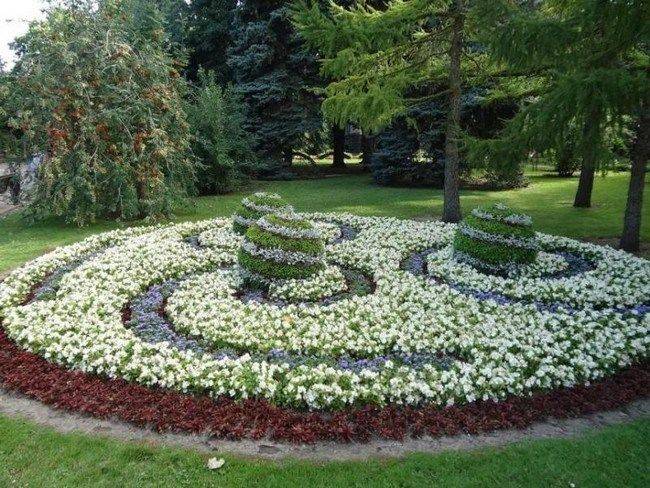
(216, 118)
(281, 246)
(98, 91)
(496, 238)
(256, 206)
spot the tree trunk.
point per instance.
(338, 146)
(640, 154)
(591, 140)
(367, 150)
(451, 206)
(585, 183)
(287, 158)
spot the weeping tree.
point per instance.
(378, 57)
(592, 57)
(100, 96)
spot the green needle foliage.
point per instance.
(378, 58)
(275, 75)
(592, 57)
(98, 94)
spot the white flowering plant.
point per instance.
(578, 313)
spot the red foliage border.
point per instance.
(165, 410)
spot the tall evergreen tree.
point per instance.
(379, 56)
(208, 37)
(275, 75)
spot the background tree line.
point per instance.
(435, 92)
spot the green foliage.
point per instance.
(216, 118)
(592, 57)
(375, 57)
(283, 261)
(255, 206)
(266, 239)
(481, 238)
(275, 76)
(99, 94)
(210, 37)
(271, 270)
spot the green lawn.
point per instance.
(548, 200)
(38, 457)
(618, 456)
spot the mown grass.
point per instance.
(39, 457)
(548, 200)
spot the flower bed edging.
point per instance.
(162, 410)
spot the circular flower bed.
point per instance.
(163, 307)
(496, 239)
(256, 206)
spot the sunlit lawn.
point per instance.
(37, 457)
(548, 200)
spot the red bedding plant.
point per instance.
(164, 410)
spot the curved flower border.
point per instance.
(164, 410)
(106, 348)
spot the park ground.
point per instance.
(616, 456)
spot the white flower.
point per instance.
(495, 349)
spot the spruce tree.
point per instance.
(208, 38)
(275, 75)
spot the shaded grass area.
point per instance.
(548, 200)
(39, 457)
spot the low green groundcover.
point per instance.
(496, 238)
(282, 246)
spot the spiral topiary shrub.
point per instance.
(255, 206)
(496, 239)
(281, 246)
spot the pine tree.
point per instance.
(275, 75)
(378, 56)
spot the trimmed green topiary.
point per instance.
(255, 206)
(496, 238)
(283, 246)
